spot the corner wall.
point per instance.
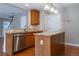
(70, 19)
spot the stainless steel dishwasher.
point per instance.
(18, 42)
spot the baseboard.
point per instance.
(76, 45)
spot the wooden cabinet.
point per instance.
(9, 44)
(49, 45)
(35, 17)
(57, 44)
(30, 39)
(12, 42)
(42, 49)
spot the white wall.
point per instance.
(70, 19)
(54, 22)
(51, 22)
(42, 19)
(23, 21)
(16, 22)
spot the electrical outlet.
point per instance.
(41, 42)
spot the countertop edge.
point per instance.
(49, 34)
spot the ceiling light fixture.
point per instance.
(50, 8)
(47, 7)
(56, 11)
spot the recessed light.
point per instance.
(26, 5)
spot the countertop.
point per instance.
(21, 31)
(49, 33)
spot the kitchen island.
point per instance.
(49, 43)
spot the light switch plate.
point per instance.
(41, 42)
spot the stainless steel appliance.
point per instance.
(18, 42)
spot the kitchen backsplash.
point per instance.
(30, 28)
(35, 28)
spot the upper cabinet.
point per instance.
(35, 17)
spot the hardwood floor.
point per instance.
(71, 50)
(27, 52)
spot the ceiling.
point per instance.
(68, 5)
(40, 6)
(9, 9)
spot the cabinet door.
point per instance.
(35, 17)
(61, 43)
(46, 45)
(9, 44)
(54, 46)
(30, 39)
(39, 50)
(57, 44)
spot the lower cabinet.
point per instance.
(19, 41)
(9, 44)
(15, 42)
(49, 45)
(30, 39)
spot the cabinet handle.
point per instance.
(41, 42)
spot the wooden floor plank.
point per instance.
(71, 50)
(27, 52)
